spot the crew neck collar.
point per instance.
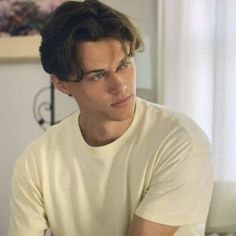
(113, 146)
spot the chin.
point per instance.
(124, 115)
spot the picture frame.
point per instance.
(20, 24)
(19, 49)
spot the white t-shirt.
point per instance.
(159, 169)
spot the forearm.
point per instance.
(141, 227)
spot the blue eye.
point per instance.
(99, 75)
(123, 65)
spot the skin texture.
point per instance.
(141, 227)
(106, 98)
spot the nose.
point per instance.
(117, 84)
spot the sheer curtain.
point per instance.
(197, 75)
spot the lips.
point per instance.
(121, 102)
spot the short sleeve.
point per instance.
(27, 208)
(182, 180)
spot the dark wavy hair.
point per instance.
(72, 22)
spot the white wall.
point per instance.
(20, 82)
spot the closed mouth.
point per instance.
(121, 101)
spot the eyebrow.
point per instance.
(93, 71)
(102, 70)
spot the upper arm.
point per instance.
(28, 215)
(141, 227)
(181, 184)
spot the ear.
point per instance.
(62, 86)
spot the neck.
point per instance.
(101, 133)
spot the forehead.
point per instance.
(102, 53)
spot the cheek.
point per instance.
(80, 93)
(94, 93)
(132, 70)
(132, 76)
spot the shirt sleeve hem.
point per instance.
(24, 232)
(172, 220)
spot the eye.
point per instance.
(123, 65)
(99, 75)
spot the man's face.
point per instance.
(107, 90)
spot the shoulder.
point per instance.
(57, 133)
(173, 126)
(50, 141)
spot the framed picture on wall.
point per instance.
(20, 24)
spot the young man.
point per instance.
(120, 166)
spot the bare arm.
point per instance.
(141, 227)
